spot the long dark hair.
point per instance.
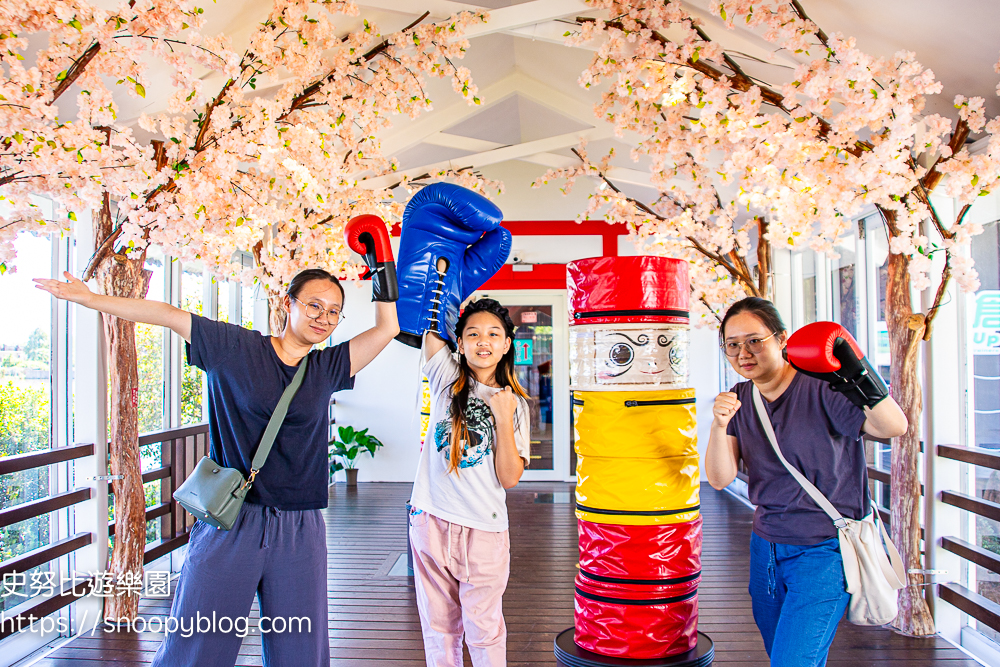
(763, 309)
(504, 375)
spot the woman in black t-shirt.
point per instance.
(276, 550)
(796, 572)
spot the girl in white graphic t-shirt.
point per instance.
(476, 447)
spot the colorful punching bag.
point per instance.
(637, 466)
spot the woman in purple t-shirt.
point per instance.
(796, 572)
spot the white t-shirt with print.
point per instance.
(472, 496)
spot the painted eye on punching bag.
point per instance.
(621, 355)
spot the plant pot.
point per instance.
(352, 476)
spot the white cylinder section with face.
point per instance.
(612, 357)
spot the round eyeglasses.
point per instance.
(753, 345)
(314, 311)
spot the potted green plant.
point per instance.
(345, 450)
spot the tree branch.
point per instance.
(737, 268)
(805, 17)
(938, 296)
(739, 80)
(763, 257)
(711, 310)
(78, 66)
(958, 137)
(75, 70)
(313, 88)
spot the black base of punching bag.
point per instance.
(568, 654)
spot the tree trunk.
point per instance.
(276, 312)
(905, 335)
(123, 277)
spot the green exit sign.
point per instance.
(523, 351)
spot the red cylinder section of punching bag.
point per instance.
(644, 288)
(636, 620)
(664, 551)
(637, 590)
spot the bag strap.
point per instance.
(810, 488)
(277, 417)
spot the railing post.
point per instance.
(945, 376)
(90, 425)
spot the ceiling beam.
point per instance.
(494, 156)
(550, 160)
(407, 135)
(525, 14)
(616, 174)
(461, 143)
(439, 9)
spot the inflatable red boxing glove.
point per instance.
(827, 351)
(368, 236)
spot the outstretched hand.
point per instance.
(73, 289)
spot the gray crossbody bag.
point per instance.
(215, 494)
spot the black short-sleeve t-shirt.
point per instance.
(245, 381)
(819, 432)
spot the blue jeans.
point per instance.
(799, 597)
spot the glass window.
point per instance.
(809, 300)
(878, 236)
(246, 306)
(986, 392)
(533, 365)
(844, 284)
(191, 381)
(25, 394)
(227, 299)
(149, 349)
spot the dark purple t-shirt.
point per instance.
(819, 432)
(246, 379)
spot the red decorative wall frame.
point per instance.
(548, 276)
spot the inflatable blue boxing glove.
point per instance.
(445, 221)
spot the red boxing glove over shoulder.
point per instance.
(828, 351)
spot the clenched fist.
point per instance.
(504, 403)
(726, 405)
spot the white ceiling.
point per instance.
(534, 110)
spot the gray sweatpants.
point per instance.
(280, 556)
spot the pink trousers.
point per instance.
(460, 575)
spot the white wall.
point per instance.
(703, 366)
(384, 397)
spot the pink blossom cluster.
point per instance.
(847, 133)
(278, 172)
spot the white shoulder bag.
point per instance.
(872, 575)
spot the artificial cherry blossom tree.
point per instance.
(272, 158)
(742, 166)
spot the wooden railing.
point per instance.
(981, 608)
(180, 450)
(67, 593)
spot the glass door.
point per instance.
(542, 364)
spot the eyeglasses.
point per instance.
(753, 346)
(314, 310)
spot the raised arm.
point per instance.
(885, 420)
(722, 455)
(366, 345)
(133, 310)
(368, 236)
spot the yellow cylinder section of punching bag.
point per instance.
(637, 457)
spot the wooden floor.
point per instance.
(373, 617)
